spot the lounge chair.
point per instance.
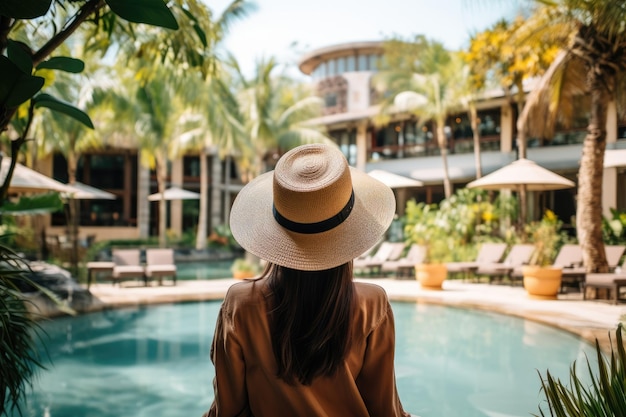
(127, 265)
(489, 253)
(160, 264)
(372, 264)
(405, 266)
(611, 282)
(511, 267)
(570, 258)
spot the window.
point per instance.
(350, 64)
(323, 69)
(316, 74)
(191, 166)
(372, 62)
(330, 100)
(341, 65)
(362, 63)
(331, 68)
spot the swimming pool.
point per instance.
(155, 362)
(196, 270)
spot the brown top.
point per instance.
(246, 383)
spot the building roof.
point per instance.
(461, 168)
(311, 60)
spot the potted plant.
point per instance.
(243, 269)
(424, 226)
(541, 279)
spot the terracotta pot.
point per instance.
(542, 282)
(431, 276)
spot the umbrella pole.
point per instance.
(74, 236)
(523, 204)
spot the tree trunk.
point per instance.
(473, 115)
(74, 210)
(216, 190)
(521, 133)
(161, 167)
(201, 234)
(443, 147)
(589, 207)
(227, 189)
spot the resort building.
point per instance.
(342, 76)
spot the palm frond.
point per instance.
(19, 360)
(603, 396)
(552, 99)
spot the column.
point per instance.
(176, 206)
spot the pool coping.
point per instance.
(589, 319)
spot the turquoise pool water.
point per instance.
(155, 362)
(204, 270)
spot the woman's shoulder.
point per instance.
(373, 304)
(247, 292)
(370, 291)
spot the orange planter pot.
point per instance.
(542, 282)
(431, 276)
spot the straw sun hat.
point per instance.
(313, 212)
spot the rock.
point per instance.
(59, 282)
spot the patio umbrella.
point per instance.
(27, 180)
(394, 180)
(519, 174)
(522, 175)
(175, 193)
(615, 158)
(80, 191)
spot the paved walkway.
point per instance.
(589, 319)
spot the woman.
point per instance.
(304, 339)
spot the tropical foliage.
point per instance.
(510, 53)
(603, 396)
(31, 32)
(592, 64)
(614, 228)
(454, 229)
(19, 328)
(422, 78)
(275, 110)
(547, 237)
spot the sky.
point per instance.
(288, 29)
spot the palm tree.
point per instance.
(275, 110)
(428, 85)
(593, 63)
(509, 54)
(213, 126)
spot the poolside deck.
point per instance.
(588, 319)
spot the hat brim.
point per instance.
(254, 228)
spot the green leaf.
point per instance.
(18, 55)
(24, 9)
(196, 27)
(46, 100)
(36, 204)
(63, 63)
(15, 86)
(152, 12)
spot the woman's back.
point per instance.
(304, 339)
(361, 387)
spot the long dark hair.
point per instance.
(310, 314)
